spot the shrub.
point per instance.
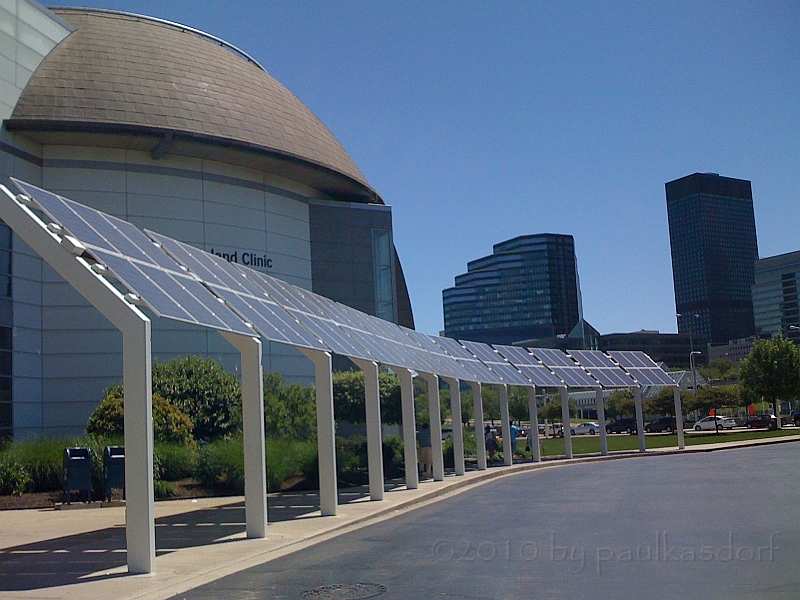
(290, 458)
(393, 456)
(289, 411)
(221, 465)
(177, 461)
(164, 489)
(43, 460)
(14, 479)
(170, 424)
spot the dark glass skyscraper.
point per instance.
(527, 288)
(712, 233)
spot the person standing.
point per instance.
(425, 451)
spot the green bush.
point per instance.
(14, 479)
(393, 456)
(164, 489)
(43, 459)
(289, 411)
(177, 461)
(170, 424)
(290, 458)
(202, 389)
(221, 465)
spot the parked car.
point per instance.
(796, 418)
(623, 425)
(714, 423)
(765, 421)
(661, 424)
(584, 428)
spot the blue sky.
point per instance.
(481, 121)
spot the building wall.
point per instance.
(775, 298)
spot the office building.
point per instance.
(775, 301)
(184, 134)
(712, 234)
(527, 288)
(670, 348)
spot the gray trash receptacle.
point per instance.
(78, 472)
(113, 470)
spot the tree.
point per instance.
(201, 388)
(348, 397)
(719, 369)
(710, 398)
(518, 407)
(662, 403)
(289, 411)
(772, 370)
(170, 424)
(621, 403)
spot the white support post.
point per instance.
(458, 428)
(137, 376)
(409, 427)
(326, 432)
(477, 415)
(601, 421)
(505, 423)
(565, 426)
(435, 412)
(374, 433)
(679, 418)
(637, 394)
(255, 468)
(533, 436)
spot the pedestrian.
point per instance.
(514, 430)
(490, 436)
(425, 453)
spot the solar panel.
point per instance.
(534, 370)
(602, 368)
(498, 364)
(138, 264)
(642, 368)
(479, 371)
(449, 366)
(564, 367)
(268, 318)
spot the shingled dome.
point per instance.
(120, 74)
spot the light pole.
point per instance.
(694, 372)
(691, 332)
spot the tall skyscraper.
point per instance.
(527, 288)
(712, 233)
(775, 301)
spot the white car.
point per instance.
(584, 428)
(714, 423)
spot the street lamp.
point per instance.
(694, 372)
(691, 330)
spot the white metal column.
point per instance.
(679, 418)
(505, 423)
(533, 436)
(255, 468)
(409, 427)
(477, 415)
(458, 428)
(435, 412)
(326, 432)
(565, 426)
(637, 394)
(601, 421)
(374, 434)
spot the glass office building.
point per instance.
(712, 233)
(527, 288)
(775, 301)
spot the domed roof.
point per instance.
(130, 73)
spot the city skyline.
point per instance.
(484, 124)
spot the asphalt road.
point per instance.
(710, 525)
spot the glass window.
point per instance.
(383, 265)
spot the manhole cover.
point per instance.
(345, 591)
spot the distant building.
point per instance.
(670, 348)
(712, 234)
(775, 301)
(527, 288)
(734, 351)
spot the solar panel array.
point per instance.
(603, 369)
(642, 368)
(178, 281)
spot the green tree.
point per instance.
(170, 424)
(710, 398)
(551, 411)
(348, 397)
(662, 403)
(621, 403)
(289, 411)
(719, 369)
(772, 370)
(518, 407)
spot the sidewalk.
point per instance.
(79, 554)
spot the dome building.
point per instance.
(179, 132)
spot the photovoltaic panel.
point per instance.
(564, 367)
(642, 368)
(240, 294)
(479, 371)
(602, 368)
(540, 375)
(449, 366)
(498, 364)
(138, 264)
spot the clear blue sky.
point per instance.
(481, 121)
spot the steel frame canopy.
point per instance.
(645, 371)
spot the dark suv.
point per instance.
(767, 421)
(623, 425)
(661, 424)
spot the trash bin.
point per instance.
(78, 472)
(113, 470)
